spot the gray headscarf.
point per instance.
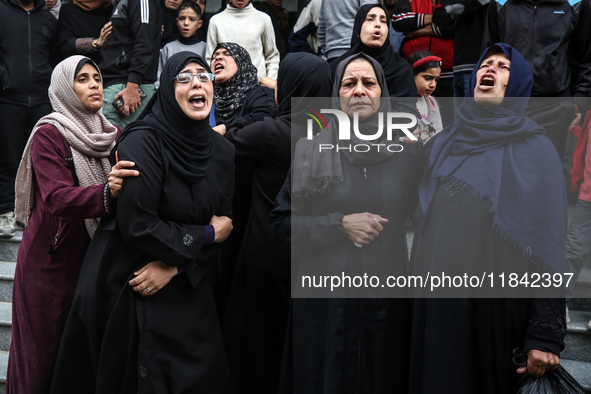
(315, 171)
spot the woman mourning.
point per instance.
(491, 200)
(256, 317)
(143, 318)
(348, 210)
(84, 27)
(239, 101)
(61, 193)
(371, 37)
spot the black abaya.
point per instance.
(256, 318)
(256, 314)
(350, 345)
(117, 341)
(463, 345)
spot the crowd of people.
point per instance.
(160, 162)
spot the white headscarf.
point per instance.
(55, 10)
(90, 136)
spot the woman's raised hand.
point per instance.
(222, 226)
(118, 172)
(105, 32)
(362, 228)
(152, 277)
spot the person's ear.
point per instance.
(199, 24)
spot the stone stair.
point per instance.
(576, 357)
(8, 252)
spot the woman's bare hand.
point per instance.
(576, 121)
(222, 226)
(267, 82)
(362, 228)
(221, 129)
(539, 362)
(417, 133)
(152, 277)
(118, 172)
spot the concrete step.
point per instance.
(3, 365)
(578, 340)
(5, 325)
(9, 247)
(582, 293)
(579, 370)
(6, 280)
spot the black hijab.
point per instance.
(301, 78)
(187, 143)
(399, 77)
(230, 95)
(301, 75)
(314, 172)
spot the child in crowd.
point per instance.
(188, 21)
(250, 28)
(426, 69)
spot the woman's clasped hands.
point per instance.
(363, 228)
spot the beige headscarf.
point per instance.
(90, 136)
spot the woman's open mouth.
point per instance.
(197, 101)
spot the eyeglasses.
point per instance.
(188, 77)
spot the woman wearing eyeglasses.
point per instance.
(143, 318)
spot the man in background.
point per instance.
(28, 34)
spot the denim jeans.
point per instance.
(461, 84)
(578, 240)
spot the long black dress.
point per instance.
(351, 345)
(477, 336)
(256, 318)
(116, 341)
(258, 104)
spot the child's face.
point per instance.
(426, 81)
(188, 22)
(240, 3)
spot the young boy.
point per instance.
(244, 25)
(188, 21)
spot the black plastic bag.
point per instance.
(558, 381)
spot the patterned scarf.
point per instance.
(230, 95)
(90, 136)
